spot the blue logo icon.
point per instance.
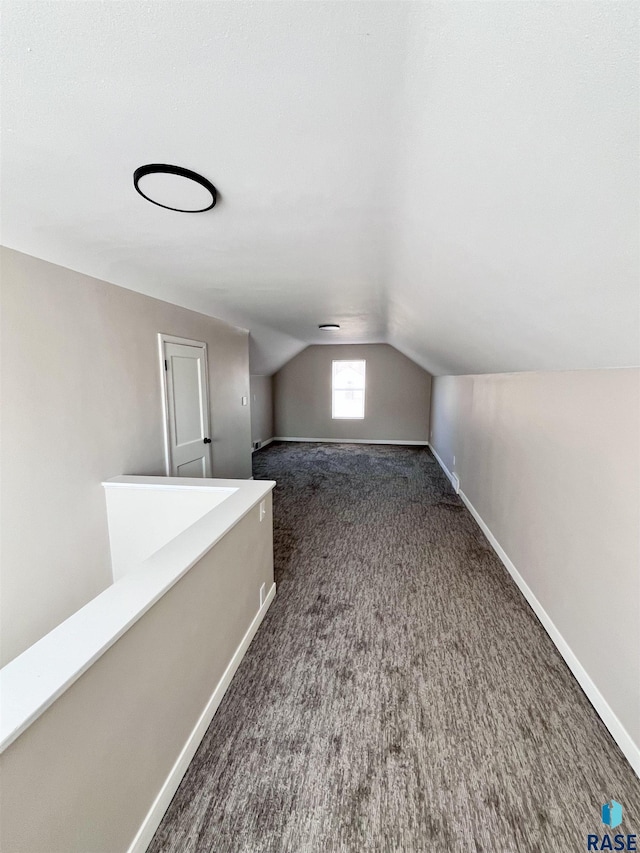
(612, 814)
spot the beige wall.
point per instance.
(82, 403)
(551, 462)
(397, 395)
(83, 776)
(261, 408)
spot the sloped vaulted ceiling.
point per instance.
(457, 179)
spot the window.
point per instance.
(347, 385)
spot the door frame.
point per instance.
(163, 339)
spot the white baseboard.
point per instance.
(630, 749)
(443, 466)
(353, 440)
(262, 444)
(161, 803)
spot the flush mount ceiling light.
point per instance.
(328, 327)
(174, 188)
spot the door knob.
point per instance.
(207, 441)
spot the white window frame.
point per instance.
(334, 389)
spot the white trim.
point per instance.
(262, 444)
(617, 731)
(352, 440)
(31, 682)
(172, 339)
(169, 484)
(334, 389)
(165, 406)
(161, 803)
(443, 466)
(185, 342)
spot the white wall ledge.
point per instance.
(30, 683)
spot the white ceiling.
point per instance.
(457, 179)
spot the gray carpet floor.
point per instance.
(400, 694)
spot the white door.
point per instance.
(184, 364)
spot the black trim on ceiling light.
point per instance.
(166, 169)
(328, 327)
